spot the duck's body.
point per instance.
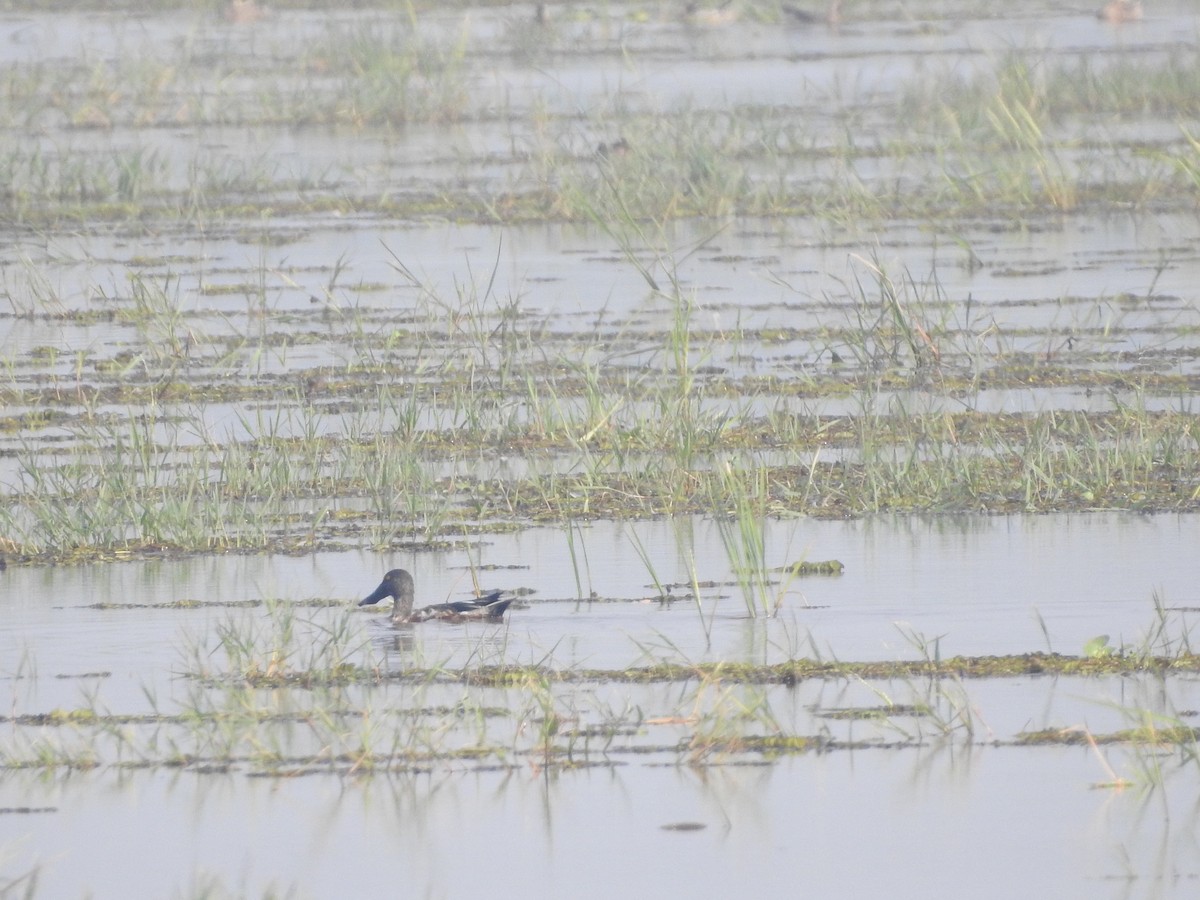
(398, 585)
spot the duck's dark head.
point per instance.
(396, 584)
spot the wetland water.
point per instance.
(947, 804)
(627, 313)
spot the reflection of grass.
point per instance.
(1153, 737)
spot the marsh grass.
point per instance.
(894, 320)
(1028, 134)
(30, 291)
(381, 73)
(722, 709)
(668, 438)
(269, 699)
(23, 885)
(944, 703)
(725, 719)
(277, 647)
(384, 446)
(1017, 121)
(997, 139)
(121, 180)
(158, 314)
(740, 511)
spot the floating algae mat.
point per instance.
(824, 394)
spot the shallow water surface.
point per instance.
(975, 585)
(909, 824)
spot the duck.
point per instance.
(244, 12)
(726, 13)
(398, 584)
(833, 15)
(1116, 12)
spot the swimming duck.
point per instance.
(727, 12)
(833, 15)
(244, 12)
(1116, 12)
(398, 584)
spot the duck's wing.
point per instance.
(462, 607)
(486, 603)
(490, 606)
(493, 606)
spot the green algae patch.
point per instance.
(70, 716)
(872, 713)
(797, 670)
(779, 744)
(1167, 736)
(815, 567)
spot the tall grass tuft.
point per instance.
(740, 510)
